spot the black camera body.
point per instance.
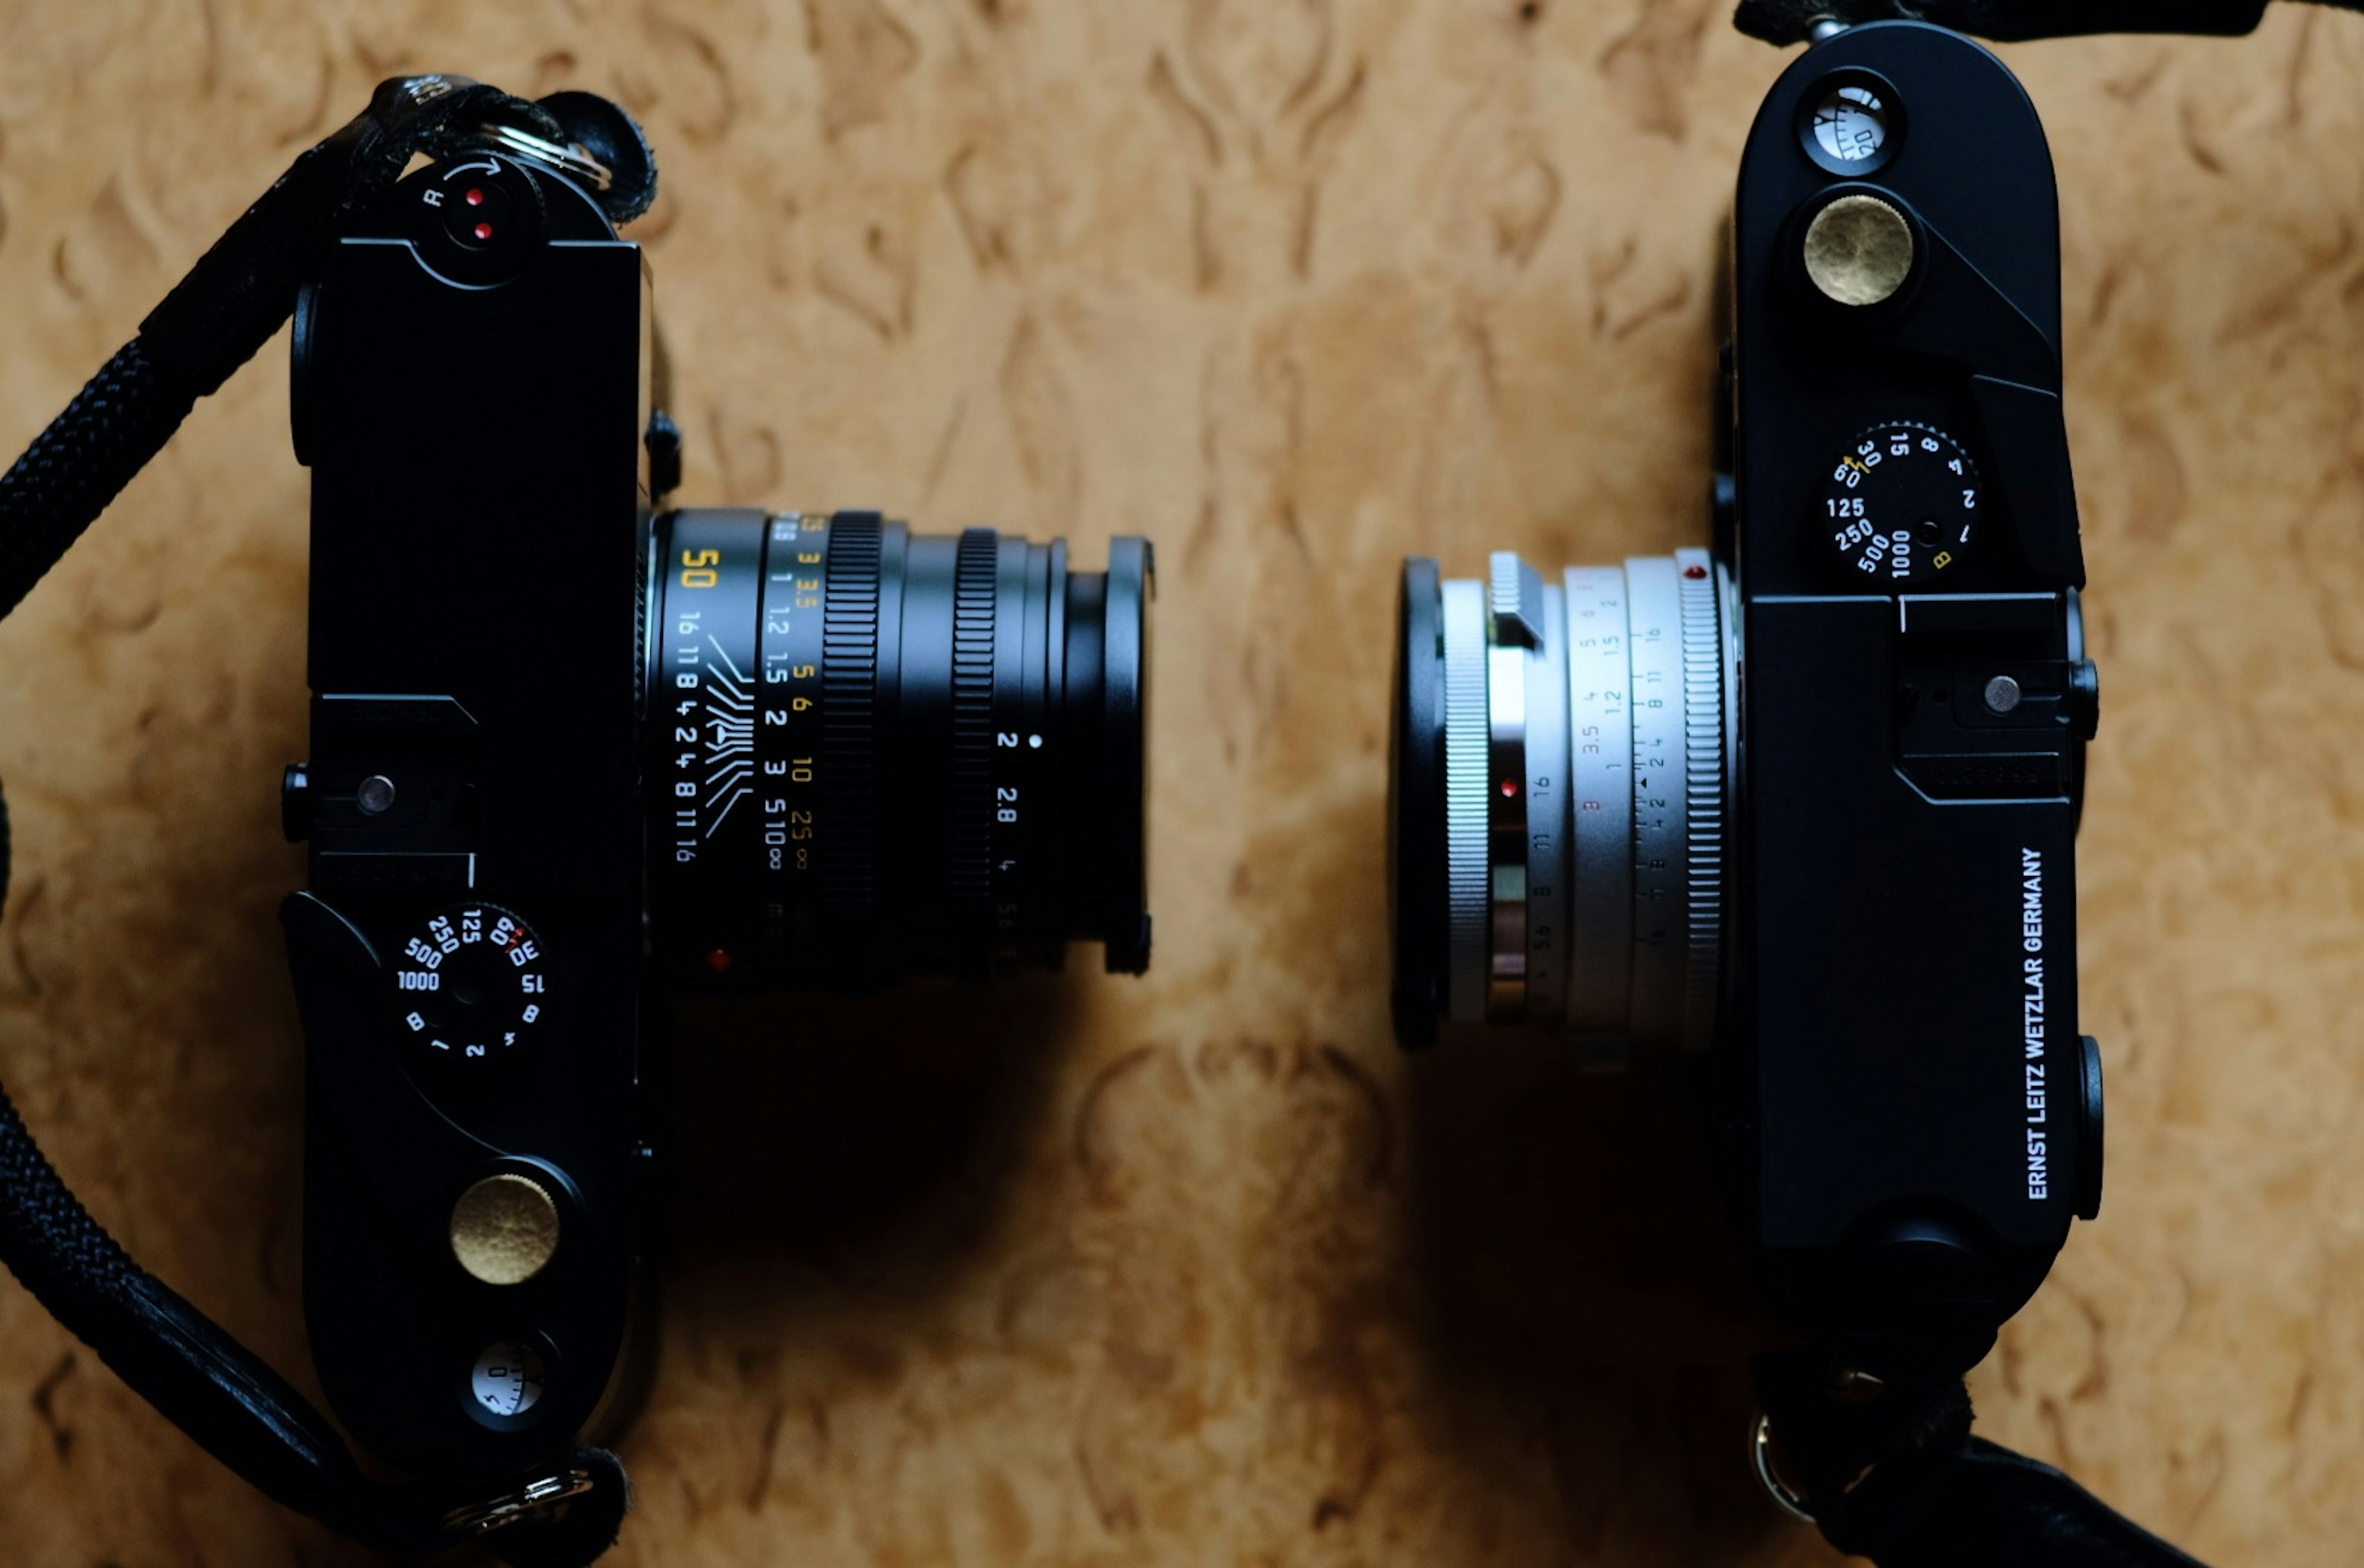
(1918, 1116)
(571, 752)
(1806, 803)
(472, 411)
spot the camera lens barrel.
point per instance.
(874, 754)
(1564, 757)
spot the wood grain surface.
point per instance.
(1197, 1270)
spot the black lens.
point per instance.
(874, 754)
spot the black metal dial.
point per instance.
(471, 986)
(1902, 506)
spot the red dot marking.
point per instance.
(476, 196)
(719, 960)
(1694, 572)
(1509, 789)
(484, 231)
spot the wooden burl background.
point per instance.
(1197, 1270)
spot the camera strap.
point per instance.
(170, 1354)
(1889, 1471)
(2010, 21)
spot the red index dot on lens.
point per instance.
(1510, 788)
(484, 231)
(476, 196)
(1694, 572)
(719, 960)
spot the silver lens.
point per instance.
(1589, 744)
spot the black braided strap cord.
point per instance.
(1898, 1478)
(2012, 21)
(108, 434)
(164, 1349)
(244, 286)
(172, 1356)
(215, 319)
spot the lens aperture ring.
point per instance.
(849, 687)
(973, 593)
(793, 623)
(1601, 778)
(1661, 799)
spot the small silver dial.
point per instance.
(1851, 123)
(1901, 506)
(471, 986)
(508, 1378)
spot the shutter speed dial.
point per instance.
(1901, 505)
(472, 987)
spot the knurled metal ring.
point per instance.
(1703, 785)
(849, 679)
(1466, 824)
(973, 570)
